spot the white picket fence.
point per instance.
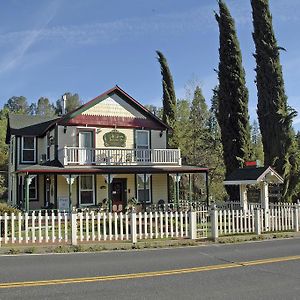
(278, 218)
(118, 226)
(34, 228)
(90, 226)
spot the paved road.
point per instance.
(262, 270)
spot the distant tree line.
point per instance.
(20, 105)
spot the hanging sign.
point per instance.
(114, 138)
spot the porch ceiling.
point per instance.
(40, 169)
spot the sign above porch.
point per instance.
(114, 138)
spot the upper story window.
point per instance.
(28, 152)
(142, 139)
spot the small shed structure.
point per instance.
(261, 176)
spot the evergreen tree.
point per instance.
(169, 97)
(256, 140)
(232, 115)
(17, 104)
(44, 108)
(198, 134)
(274, 115)
(72, 103)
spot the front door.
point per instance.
(85, 147)
(118, 194)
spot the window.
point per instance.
(33, 190)
(144, 190)
(28, 149)
(86, 190)
(142, 145)
(142, 139)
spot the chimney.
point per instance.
(63, 104)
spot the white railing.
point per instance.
(113, 156)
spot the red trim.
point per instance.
(126, 122)
(250, 163)
(117, 170)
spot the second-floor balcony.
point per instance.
(119, 157)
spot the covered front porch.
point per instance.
(110, 188)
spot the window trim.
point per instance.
(80, 190)
(149, 188)
(22, 150)
(35, 180)
(136, 139)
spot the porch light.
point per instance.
(65, 129)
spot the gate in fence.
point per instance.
(202, 220)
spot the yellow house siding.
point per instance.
(102, 193)
(157, 141)
(159, 188)
(114, 106)
(63, 189)
(129, 133)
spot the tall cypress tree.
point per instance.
(274, 114)
(232, 97)
(169, 97)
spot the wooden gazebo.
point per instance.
(259, 176)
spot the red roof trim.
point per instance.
(114, 171)
(125, 122)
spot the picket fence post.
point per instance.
(257, 221)
(296, 217)
(74, 228)
(133, 227)
(214, 223)
(193, 225)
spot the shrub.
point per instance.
(4, 208)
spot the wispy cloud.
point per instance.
(108, 32)
(24, 40)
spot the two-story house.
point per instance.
(109, 150)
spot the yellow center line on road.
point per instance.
(147, 274)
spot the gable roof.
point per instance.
(38, 125)
(28, 125)
(251, 175)
(151, 120)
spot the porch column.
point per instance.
(145, 188)
(178, 177)
(264, 195)
(70, 180)
(190, 188)
(207, 188)
(109, 178)
(28, 180)
(243, 197)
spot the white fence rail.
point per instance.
(113, 156)
(34, 228)
(93, 226)
(279, 218)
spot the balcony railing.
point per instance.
(112, 156)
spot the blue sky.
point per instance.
(88, 46)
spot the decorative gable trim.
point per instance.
(147, 120)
